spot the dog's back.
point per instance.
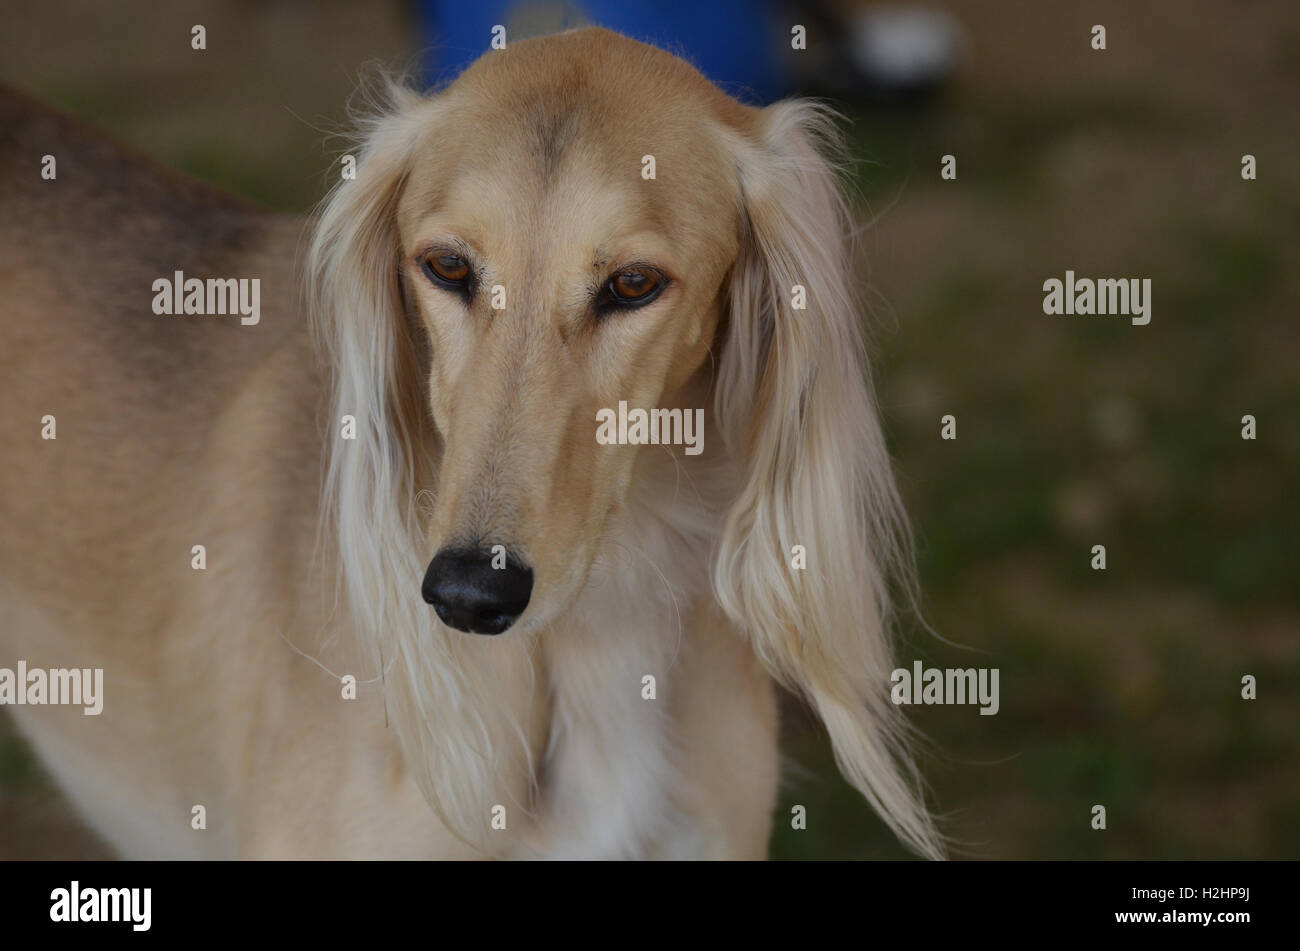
(88, 226)
(132, 394)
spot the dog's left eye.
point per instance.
(448, 269)
(634, 287)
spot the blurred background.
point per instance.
(1119, 687)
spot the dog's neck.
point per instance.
(610, 668)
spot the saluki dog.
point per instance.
(361, 573)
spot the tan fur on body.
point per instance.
(473, 424)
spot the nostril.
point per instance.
(492, 622)
(471, 595)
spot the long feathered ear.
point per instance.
(353, 280)
(440, 687)
(358, 321)
(794, 403)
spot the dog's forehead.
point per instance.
(591, 93)
(597, 67)
(582, 128)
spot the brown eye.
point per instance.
(635, 286)
(450, 270)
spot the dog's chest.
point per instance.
(610, 770)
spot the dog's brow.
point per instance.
(462, 240)
(553, 134)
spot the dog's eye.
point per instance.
(447, 269)
(635, 286)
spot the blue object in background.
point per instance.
(736, 43)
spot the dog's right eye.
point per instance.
(447, 269)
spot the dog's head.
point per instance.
(565, 231)
(583, 224)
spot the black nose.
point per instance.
(471, 595)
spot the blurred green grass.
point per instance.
(1118, 687)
